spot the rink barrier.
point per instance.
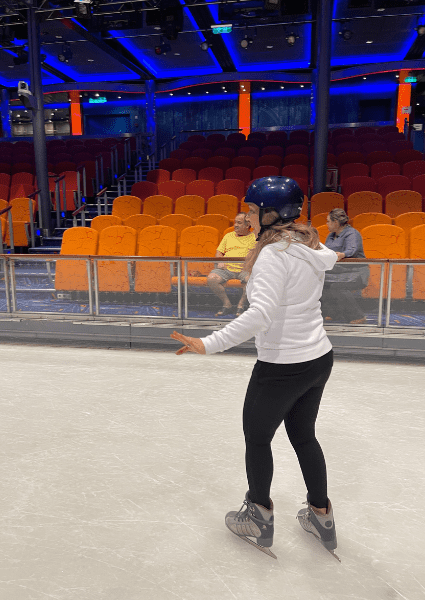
(8, 268)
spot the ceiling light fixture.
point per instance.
(66, 54)
(292, 38)
(347, 34)
(246, 42)
(369, 42)
(204, 46)
(420, 29)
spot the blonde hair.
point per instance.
(305, 234)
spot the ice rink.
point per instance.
(118, 467)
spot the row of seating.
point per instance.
(380, 241)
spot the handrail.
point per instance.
(77, 212)
(102, 191)
(5, 210)
(59, 178)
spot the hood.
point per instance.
(322, 260)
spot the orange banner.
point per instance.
(245, 107)
(75, 113)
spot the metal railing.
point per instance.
(182, 284)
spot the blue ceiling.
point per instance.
(128, 55)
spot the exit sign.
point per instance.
(410, 80)
(221, 28)
(100, 100)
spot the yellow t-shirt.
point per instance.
(236, 245)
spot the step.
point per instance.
(44, 250)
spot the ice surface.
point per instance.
(117, 468)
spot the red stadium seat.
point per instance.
(275, 150)
(353, 170)
(266, 171)
(169, 164)
(220, 162)
(379, 170)
(295, 159)
(392, 183)
(349, 157)
(405, 156)
(194, 163)
(413, 168)
(244, 161)
(379, 156)
(358, 184)
(249, 151)
(270, 159)
(242, 173)
(143, 189)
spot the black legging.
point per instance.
(290, 393)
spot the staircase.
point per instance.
(52, 244)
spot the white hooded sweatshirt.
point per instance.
(284, 315)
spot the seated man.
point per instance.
(237, 244)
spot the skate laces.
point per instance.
(242, 516)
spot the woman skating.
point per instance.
(295, 358)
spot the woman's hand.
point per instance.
(340, 255)
(190, 344)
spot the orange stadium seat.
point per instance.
(408, 221)
(20, 216)
(199, 241)
(184, 175)
(72, 274)
(385, 241)
(23, 190)
(319, 220)
(155, 276)
(402, 201)
(363, 220)
(234, 187)
(104, 221)
(323, 232)
(190, 205)
(3, 227)
(125, 206)
(223, 204)
(173, 189)
(158, 176)
(201, 187)
(220, 222)
(117, 240)
(417, 251)
(325, 202)
(213, 174)
(362, 202)
(177, 222)
(158, 206)
(144, 189)
(139, 222)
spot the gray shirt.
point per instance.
(350, 242)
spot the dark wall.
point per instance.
(114, 117)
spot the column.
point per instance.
(321, 79)
(403, 100)
(6, 121)
(151, 113)
(38, 119)
(245, 107)
(75, 113)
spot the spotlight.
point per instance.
(204, 46)
(291, 39)
(272, 4)
(66, 54)
(83, 9)
(420, 29)
(346, 34)
(163, 48)
(247, 41)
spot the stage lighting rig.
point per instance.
(22, 57)
(168, 17)
(66, 54)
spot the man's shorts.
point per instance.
(226, 275)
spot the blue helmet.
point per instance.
(279, 193)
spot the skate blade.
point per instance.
(330, 551)
(262, 548)
(333, 554)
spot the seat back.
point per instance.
(172, 189)
(382, 169)
(364, 202)
(102, 221)
(295, 159)
(413, 168)
(184, 175)
(4, 192)
(191, 205)
(158, 176)
(402, 201)
(357, 184)
(177, 222)
(125, 206)
(241, 173)
(353, 170)
(158, 206)
(244, 161)
(323, 232)
(379, 156)
(385, 241)
(349, 157)
(223, 204)
(325, 202)
(405, 156)
(220, 162)
(293, 171)
(169, 164)
(72, 274)
(318, 220)
(117, 240)
(193, 163)
(144, 189)
(21, 209)
(201, 187)
(213, 174)
(199, 240)
(272, 160)
(265, 171)
(417, 251)
(157, 240)
(408, 221)
(366, 219)
(139, 222)
(220, 222)
(234, 187)
(274, 150)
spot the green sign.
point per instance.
(221, 28)
(410, 80)
(100, 100)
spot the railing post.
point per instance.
(32, 224)
(1, 239)
(381, 294)
(11, 236)
(388, 308)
